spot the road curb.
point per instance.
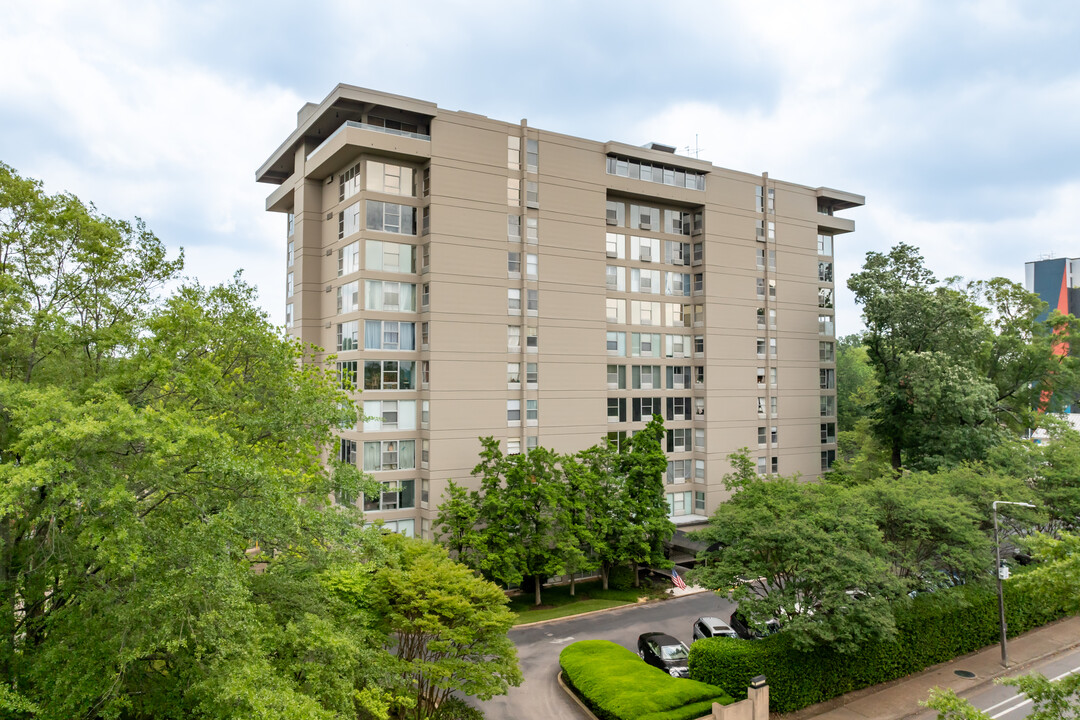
(575, 698)
(610, 609)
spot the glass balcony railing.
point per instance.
(365, 126)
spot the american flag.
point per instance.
(677, 580)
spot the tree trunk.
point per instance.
(604, 575)
(637, 575)
(572, 584)
(536, 583)
(896, 453)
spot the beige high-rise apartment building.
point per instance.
(478, 277)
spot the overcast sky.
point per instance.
(959, 121)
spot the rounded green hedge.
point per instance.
(617, 685)
(932, 628)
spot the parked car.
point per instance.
(665, 652)
(743, 629)
(707, 627)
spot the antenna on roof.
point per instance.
(695, 151)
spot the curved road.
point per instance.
(540, 698)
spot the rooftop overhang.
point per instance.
(838, 199)
(316, 123)
(657, 157)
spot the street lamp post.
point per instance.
(1001, 594)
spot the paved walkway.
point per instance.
(900, 698)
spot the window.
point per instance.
(827, 378)
(760, 347)
(616, 246)
(645, 377)
(347, 370)
(699, 345)
(824, 272)
(699, 375)
(616, 377)
(616, 278)
(425, 334)
(426, 182)
(662, 174)
(761, 377)
(389, 296)
(513, 227)
(677, 284)
(646, 281)
(532, 411)
(513, 338)
(699, 408)
(828, 433)
(699, 283)
(762, 435)
(825, 325)
(759, 193)
(678, 377)
(532, 301)
(290, 231)
(772, 406)
(772, 260)
(675, 315)
(290, 252)
(349, 221)
(760, 254)
(389, 335)
(699, 438)
(774, 435)
(531, 265)
(513, 152)
(772, 230)
(678, 504)
(828, 405)
(513, 446)
(644, 345)
(532, 194)
(349, 182)
(699, 502)
(513, 192)
(645, 408)
(425, 295)
(762, 465)
(679, 470)
(531, 442)
(289, 315)
(425, 257)
(679, 439)
(348, 297)
(390, 179)
(772, 288)
(774, 463)
(391, 218)
(616, 344)
(513, 375)
(532, 155)
(532, 374)
(425, 456)
(425, 412)
(644, 313)
(616, 213)
(389, 375)
(402, 527)
(677, 222)
(425, 373)
(644, 249)
(760, 282)
(616, 311)
(761, 406)
(761, 318)
(676, 346)
(348, 259)
(824, 244)
(676, 253)
(513, 301)
(825, 298)
(826, 351)
(772, 347)
(347, 336)
(828, 457)
(395, 495)
(532, 230)
(513, 412)
(513, 264)
(532, 339)
(347, 451)
(289, 285)
(699, 253)
(678, 408)
(772, 376)
(382, 415)
(390, 257)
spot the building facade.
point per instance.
(475, 277)
(1057, 283)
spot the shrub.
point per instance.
(621, 577)
(931, 629)
(617, 685)
(454, 708)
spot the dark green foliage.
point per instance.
(454, 708)
(617, 685)
(621, 577)
(932, 628)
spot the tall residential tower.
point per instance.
(476, 277)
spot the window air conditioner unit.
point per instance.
(697, 231)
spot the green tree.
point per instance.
(955, 375)
(854, 382)
(809, 556)
(609, 517)
(521, 516)
(456, 522)
(581, 492)
(649, 526)
(447, 628)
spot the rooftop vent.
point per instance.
(659, 147)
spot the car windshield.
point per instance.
(673, 652)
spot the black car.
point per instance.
(707, 627)
(746, 632)
(665, 652)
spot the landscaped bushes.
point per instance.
(617, 685)
(932, 628)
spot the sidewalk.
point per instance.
(900, 698)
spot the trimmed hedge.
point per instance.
(617, 685)
(932, 628)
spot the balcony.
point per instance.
(340, 146)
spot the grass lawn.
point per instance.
(589, 596)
